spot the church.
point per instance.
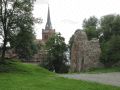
(46, 34)
(48, 31)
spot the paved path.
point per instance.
(105, 78)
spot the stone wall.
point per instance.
(84, 54)
(40, 57)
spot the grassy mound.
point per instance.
(32, 77)
(21, 68)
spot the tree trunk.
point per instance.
(3, 51)
(4, 43)
(4, 24)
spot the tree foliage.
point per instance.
(25, 45)
(56, 48)
(15, 15)
(90, 27)
(109, 40)
(71, 41)
(109, 26)
(111, 51)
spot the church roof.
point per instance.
(48, 24)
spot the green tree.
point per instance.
(106, 26)
(109, 39)
(109, 26)
(70, 44)
(111, 51)
(15, 15)
(90, 27)
(56, 48)
(25, 45)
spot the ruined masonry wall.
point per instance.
(84, 54)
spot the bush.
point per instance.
(55, 65)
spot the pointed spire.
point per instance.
(48, 24)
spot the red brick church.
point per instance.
(46, 34)
(48, 31)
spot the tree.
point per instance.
(71, 44)
(106, 23)
(15, 15)
(90, 27)
(111, 51)
(109, 25)
(56, 48)
(25, 45)
(109, 40)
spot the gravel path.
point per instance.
(105, 78)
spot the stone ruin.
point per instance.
(84, 54)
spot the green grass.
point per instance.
(31, 77)
(104, 70)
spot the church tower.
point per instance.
(48, 31)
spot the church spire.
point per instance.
(48, 24)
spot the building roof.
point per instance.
(48, 24)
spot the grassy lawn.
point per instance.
(104, 70)
(31, 77)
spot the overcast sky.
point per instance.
(68, 15)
